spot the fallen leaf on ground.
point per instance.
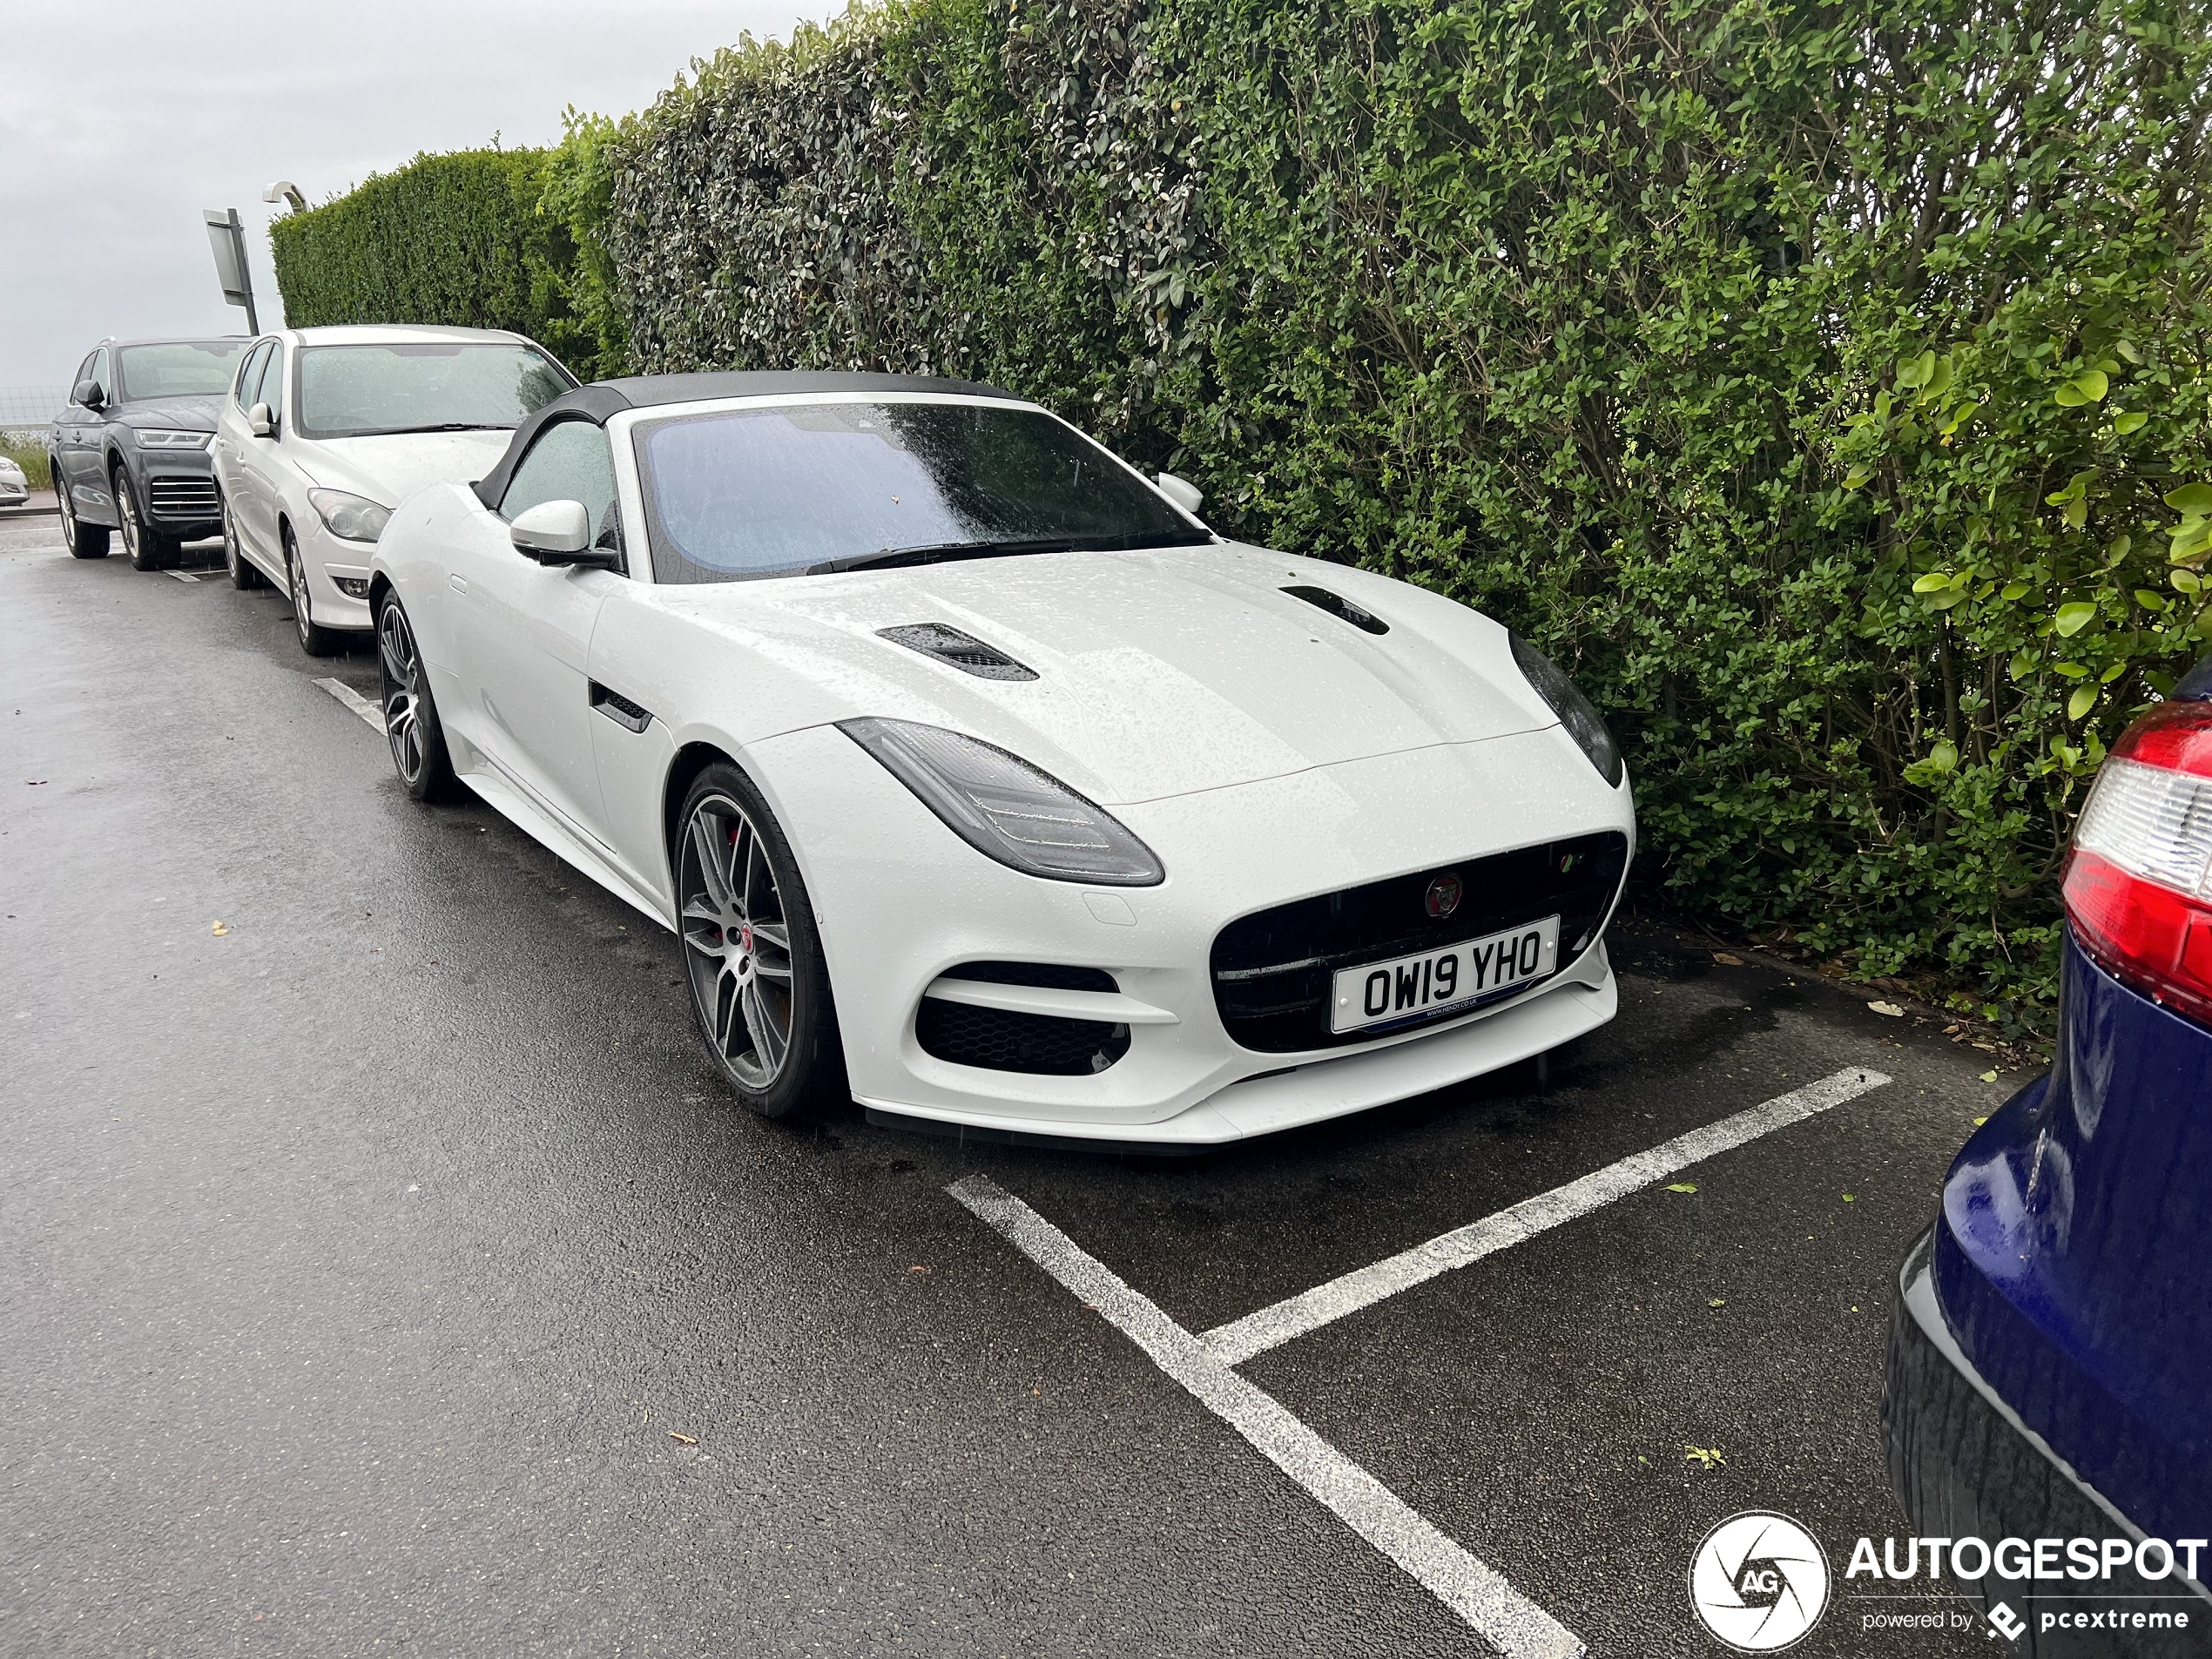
(221, 929)
(1851, 1197)
(1726, 960)
(683, 1440)
(917, 1268)
(1682, 1186)
(1978, 1121)
(1890, 1008)
(1705, 1457)
(1717, 1302)
(1989, 1077)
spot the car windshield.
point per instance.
(421, 386)
(179, 368)
(837, 486)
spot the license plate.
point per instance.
(1380, 992)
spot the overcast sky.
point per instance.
(118, 123)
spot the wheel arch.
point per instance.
(691, 761)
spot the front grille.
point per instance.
(183, 497)
(1272, 970)
(1002, 1040)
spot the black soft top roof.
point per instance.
(603, 399)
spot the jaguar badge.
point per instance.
(1443, 896)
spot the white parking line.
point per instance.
(1272, 1326)
(355, 701)
(182, 576)
(1502, 1614)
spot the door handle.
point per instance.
(459, 584)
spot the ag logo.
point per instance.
(1759, 1582)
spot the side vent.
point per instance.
(957, 650)
(620, 709)
(1342, 608)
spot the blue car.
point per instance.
(2050, 1367)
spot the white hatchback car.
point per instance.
(326, 430)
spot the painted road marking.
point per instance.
(182, 576)
(1272, 1326)
(1479, 1594)
(355, 701)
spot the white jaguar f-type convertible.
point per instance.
(983, 782)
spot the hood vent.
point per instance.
(957, 650)
(1342, 608)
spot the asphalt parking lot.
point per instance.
(383, 1269)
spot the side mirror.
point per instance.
(89, 394)
(559, 532)
(260, 422)
(1183, 494)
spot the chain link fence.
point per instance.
(24, 410)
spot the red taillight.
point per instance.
(2138, 885)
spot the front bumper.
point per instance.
(900, 900)
(1963, 1465)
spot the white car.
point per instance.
(981, 781)
(326, 430)
(15, 489)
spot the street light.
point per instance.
(227, 237)
(285, 191)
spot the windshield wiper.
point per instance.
(940, 552)
(442, 426)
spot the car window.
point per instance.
(571, 460)
(271, 390)
(249, 376)
(775, 491)
(421, 386)
(178, 368)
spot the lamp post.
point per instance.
(226, 235)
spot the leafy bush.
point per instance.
(1824, 382)
(455, 238)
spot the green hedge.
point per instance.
(457, 238)
(1825, 383)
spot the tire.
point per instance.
(244, 574)
(750, 945)
(314, 639)
(148, 549)
(417, 737)
(83, 541)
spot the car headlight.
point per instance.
(352, 518)
(162, 437)
(1584, 722)
(1006, 808)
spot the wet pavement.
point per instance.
(383, 1270)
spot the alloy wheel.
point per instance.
(296, 579)
(234, 554)
(402, 691)
(126, 508)
(737, 942)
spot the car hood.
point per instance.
(185, 413)
(389, 469)
(1158, 673)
